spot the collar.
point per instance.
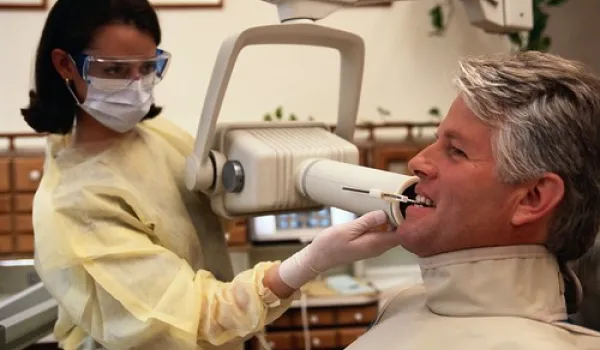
(522, 281)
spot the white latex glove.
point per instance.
(336, 246)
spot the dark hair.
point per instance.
(71, 26)
(587, 269)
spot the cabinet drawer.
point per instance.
(319, 339)
(28, 172)
(347, 336)
(5, 203)
(23, 223)
(24, 243)
(285, 321)
(278, 341)
(235, 232)
(6, 244)
(5, 224)
(4, 174)
(24, 202)
(316, 317)
(357, 315)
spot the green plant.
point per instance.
(435, 113)
(278, 114)
(535, 39)
(384, 113)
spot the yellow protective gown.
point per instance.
(133, 258)
(501, 298)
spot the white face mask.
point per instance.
(119, 110)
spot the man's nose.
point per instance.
(422, 165)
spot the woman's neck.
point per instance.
(89, 131)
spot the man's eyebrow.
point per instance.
(451, 134)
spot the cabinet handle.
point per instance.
(314, 319)
(358, 316)
(227, 236)
(35, 175)
(316, 342)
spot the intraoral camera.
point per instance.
(254, 169)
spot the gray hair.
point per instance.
(545, 114)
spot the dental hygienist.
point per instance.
(135, 260)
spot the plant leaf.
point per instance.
(436, 15)
(515, 38)
(556, 2)
(434, 111)
(540, 20)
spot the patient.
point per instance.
(514, 176)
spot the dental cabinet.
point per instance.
(333, 323)
(20, 173)
(21, 169)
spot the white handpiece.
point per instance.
(391, 197)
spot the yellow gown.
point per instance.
(134, 259)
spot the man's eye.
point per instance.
(453, 151)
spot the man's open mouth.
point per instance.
(423, 201)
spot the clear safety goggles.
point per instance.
(118, 73)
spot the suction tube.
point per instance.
(321, 180)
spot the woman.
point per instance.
(135, 260)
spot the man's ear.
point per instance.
(541, 198)
(63, 64)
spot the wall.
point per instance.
(406, 69)
(573, 29)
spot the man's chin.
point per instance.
(414, 239)
(410, 240)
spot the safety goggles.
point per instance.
(117, 73)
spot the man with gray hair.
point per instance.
(514, 177)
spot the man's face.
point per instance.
(473, 208)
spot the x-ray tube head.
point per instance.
(323, 181)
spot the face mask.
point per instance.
(119, 109)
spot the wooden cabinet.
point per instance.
(395, 157)
(330, 327)
(21, 173)
(393, 154)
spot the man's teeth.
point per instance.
(424, 200)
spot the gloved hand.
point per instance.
(338, 245)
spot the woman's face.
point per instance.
(114, 41)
